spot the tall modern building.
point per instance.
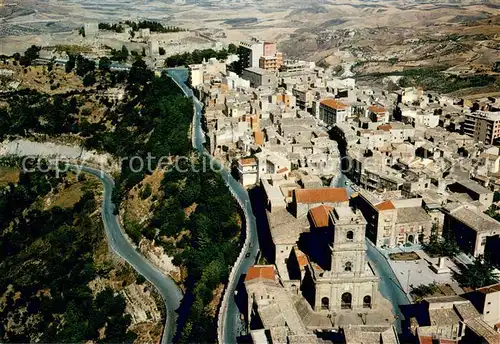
(259, 54)
(250, 53)
(483, 126)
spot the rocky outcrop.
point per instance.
(141, 304)
(157, 256)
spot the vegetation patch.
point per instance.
(198, 56)
(404, 256)
(46, 265)
(480, 273)
(422, 291)
(445, 246)
(434, 79)
(190, 214)
(9, 175)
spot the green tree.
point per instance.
(84, 66)
(139, 74)
(89, 80)
(232, 49)
(125, 52)
(479, 274)
(105, 64)
(31, 54)
(496, 67)
(71, 63)
(491, 212)
(445, 246)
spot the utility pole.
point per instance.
(408, 282)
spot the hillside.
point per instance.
(58, 281)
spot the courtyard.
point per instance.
(417, 271)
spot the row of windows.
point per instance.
(346, 302)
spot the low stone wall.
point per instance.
(68, 153)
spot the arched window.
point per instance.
(350, 235)
(325, 304)
(411, 239)
(348, 266)
(346, 301)
(367, 301)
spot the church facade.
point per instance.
(350, 284)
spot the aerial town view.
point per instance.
(248, 171)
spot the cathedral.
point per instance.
(320, 280)
(347, 285)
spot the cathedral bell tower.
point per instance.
(350, 284)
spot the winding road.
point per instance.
(389, 286)
(119, 243)
(230, 315)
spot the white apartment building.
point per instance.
(247, 171)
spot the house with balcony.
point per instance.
(247, 171)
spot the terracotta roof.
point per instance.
(261, 271)
(429, 340)
(447, 341)
(385, 205)
(259, 137)
(376, 108)
(319, 215)
(384, 127)
(247, 161)
(317, 267)
(490, 289)
(333, 104)
(322, 195)
(301, 257)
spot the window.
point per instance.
(367, 301)
(325, 304)
(346, 301)
(350, 235)
(348, 266)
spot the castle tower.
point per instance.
(350, 284)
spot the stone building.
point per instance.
(394, 221)
(472, 229)
(91, 30)
(350, 284)
(247, 171)
(487, 302)
(321, 280)
(259, 77)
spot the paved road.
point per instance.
(389, 285)
(118, 242)
(231, 318)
